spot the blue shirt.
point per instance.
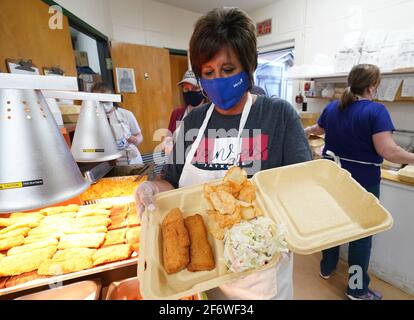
(349, 133)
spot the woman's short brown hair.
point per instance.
(224, 27)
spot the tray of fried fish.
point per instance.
(61, 243)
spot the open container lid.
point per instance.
(320, 205)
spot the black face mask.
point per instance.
(193, 98)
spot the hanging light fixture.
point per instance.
(36, 166)
(93, 140)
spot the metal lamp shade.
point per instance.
(36, 166)
(93, 140)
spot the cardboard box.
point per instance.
(81, 59)
(70, 113)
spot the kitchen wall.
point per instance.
(152, 23)
(318, 27)
(94, 12)
(137, 21)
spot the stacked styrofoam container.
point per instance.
(405, 58)
(390, 50)
(371, 48)
(349, 52)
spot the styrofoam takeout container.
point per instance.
(319, 203)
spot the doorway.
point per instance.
(271, 73)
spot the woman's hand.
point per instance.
(136, 139)
(168, 145)
(315, 130)
(144, 196)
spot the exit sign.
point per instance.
(264, 27)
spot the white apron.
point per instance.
(272, 284)
(121, 131)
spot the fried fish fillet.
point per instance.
(87, 222)
(25, 214)
(41, 238)
(45, 230)
(71, 208)
(175, 242)
(52, 210)
(115, 237)
(22, 221)
(83, 240)
(3, 281)
(118, 222)
(73, 252)
(133, 237)
(14, 233)
(30, 247)
(60, 209)
(133, 216)
(93, 213)
(65, 216)
(98, 229)
(25, 262)
(102, 205)
(111, 254)
(133, 219)
(58, 267)
(8, 243)
(120, 209)
(201, 254)
(22, 278)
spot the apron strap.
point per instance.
(337, 159)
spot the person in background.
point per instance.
(358, 135)
(125, 128)
(193, 98)
(237, 128)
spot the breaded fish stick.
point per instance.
(175, 242)
(201, 254)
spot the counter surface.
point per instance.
(393, 176)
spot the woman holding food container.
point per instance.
(237, 128)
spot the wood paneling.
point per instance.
(25, 34)
(179, 65)
(152, 103)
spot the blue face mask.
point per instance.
(226, 92)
